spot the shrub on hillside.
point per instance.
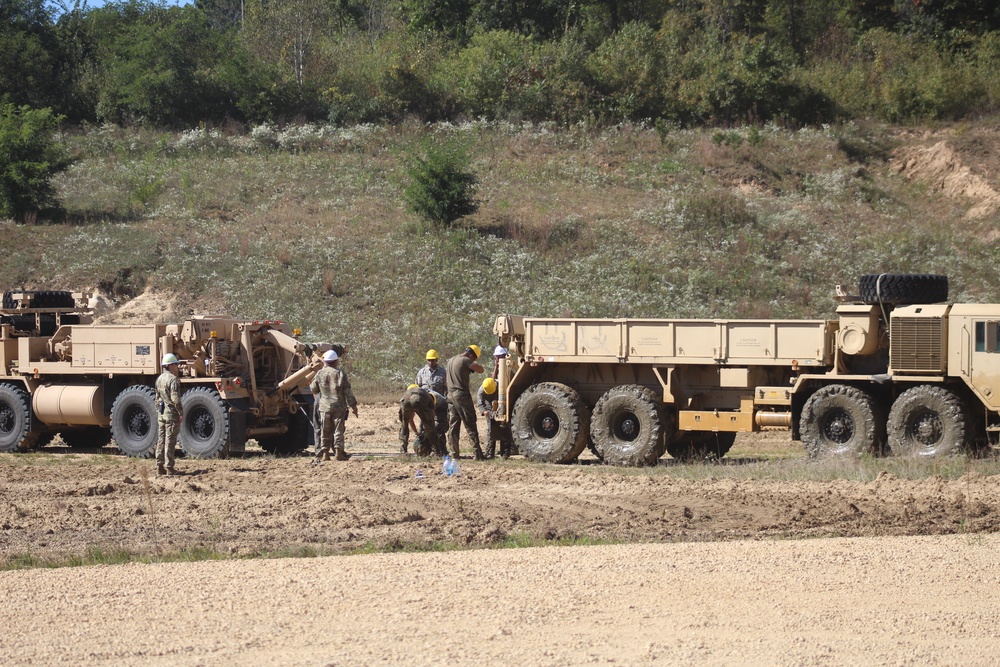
(442, 188)
(31, 157)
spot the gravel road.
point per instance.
(891, 600)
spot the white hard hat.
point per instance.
(168, 359)
(500, 351)
(330, 355)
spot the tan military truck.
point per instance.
(899, 371)
(62, 374)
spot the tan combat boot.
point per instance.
(342, 455)
(326, 456)
(160, 470)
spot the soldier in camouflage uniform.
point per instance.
(420, 402)
(432, 377)
(462, 410)
(168, 414)
(335, 396)
(485, 399)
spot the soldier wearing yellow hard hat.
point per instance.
(462, 410)
(432, 377)
(486, 401)
(420, 402)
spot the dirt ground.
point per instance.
(721, 583)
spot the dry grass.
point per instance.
(582, 221)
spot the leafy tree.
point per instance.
(29, 158)
(29, 54)
(442, 188)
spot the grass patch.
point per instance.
(115, 556)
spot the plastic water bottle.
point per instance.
(446, 469)
(455, 469)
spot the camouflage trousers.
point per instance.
(166, 439)
(333, 422)
(462, 412)
(427, 438)
(498, 432)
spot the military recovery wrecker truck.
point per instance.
(89, 383)
(900, 371)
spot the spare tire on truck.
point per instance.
(903, 288)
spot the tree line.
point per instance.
(670, 62)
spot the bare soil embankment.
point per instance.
(899, 592)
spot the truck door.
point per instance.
(984, 361)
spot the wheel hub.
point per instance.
(548, 425)
(203, 426)
(6, 419)
(927, 428)
(839, 427)
(138, 424)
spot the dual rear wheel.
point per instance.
(846, 421)
(629, 426)
(204, 429)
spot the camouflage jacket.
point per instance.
(433, 380)
(418, 398)
(334, 389)
(168, 395)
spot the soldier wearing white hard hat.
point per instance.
(333, 389)
(168, 414)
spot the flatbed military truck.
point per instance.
(62, 374)
(900, 371)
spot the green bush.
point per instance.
(626, 71)
(497, 76)
(442, 188)
(29, 158)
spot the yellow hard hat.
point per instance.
(431, 354)
(490, 385)
(412, 386)
(475, 349)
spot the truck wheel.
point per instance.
(701, 445)
(627, 426)
(204, 431)
(133, 421)
(903, 288)
(840, 420)
(88, 436)
(928, 421)
(550, 423)
(15, 420)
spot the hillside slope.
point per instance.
(309, 226)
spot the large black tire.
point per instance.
(700, 445)
(43, 299)
(928, 421)
(903, 288)
(15, 420)
(842, 421)
(204, 432)
(550, 423)
(627, 426)
(93, 437)
(133, 421)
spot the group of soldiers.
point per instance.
(441, 398)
